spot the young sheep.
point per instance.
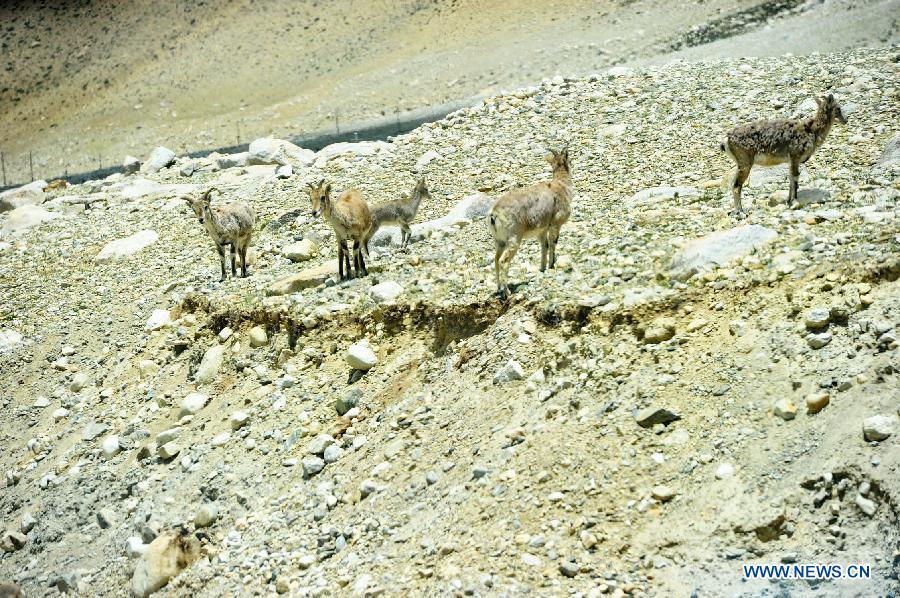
(400, 212)
(351, 220)
(770, 142)
(230, 224)
(10, 590)
(537, 212)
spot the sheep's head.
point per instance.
(421, 189)
(831, 108)
(200, 205)
(559, 159)
(319, 196)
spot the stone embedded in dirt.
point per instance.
(891, 153)
(301, 251)
(105, 518)
(367, 487)
(332, 453)
(718, 248)
(785, 409)
(817, 318)
(159, 158)
(9, 340)
(817, 341)
(816, 402)
(23, 218)
(210, 365)
(169, 451)
(510, 371)
(312, 466)
(319, 444)
(348, 401)
(724, 471)
(267, 150)
(130, 165)
(865, 505)
(662, 493)
(164, 558)
(27, 523)
(11, 541)
(385, 292)
(110, 446)
(92, 431)
(285, 171)
(206, 515)
(654, 195)
(123, 248)
(569, 568)
(360, 357)
(306, 279)
(239, 419)
(158, 319)
(168, 435)
(237, 160)
(79, 381)
(651, 416)
(258, 337)
(192, 404)
(879, 427)
(659, 330)
(426, 159)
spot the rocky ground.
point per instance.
(687, 392)
(83, 84)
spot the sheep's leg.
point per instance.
(221, 250)
(794, 178)
(340, 259)
(739, 179)
(360, 260)
(545, 245)
(498, 251)
(243, 251)
(346, 259)
(405, 234)
(233, 261)
(512, 247)
(554, 237)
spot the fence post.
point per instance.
(3, 166)
(31, 165)
(337, 123)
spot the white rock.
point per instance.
(159, 158)
(158, 319)
(210, 365)
(258, 337)
(9, 340)
(239, 419)
(427, 158)
(60, 413)
(817, 318)
(233, 160)
(386, 292)
(135, 547)
(123, 248)
(724, 471)
(168, 435)
(278, 151)
(110, 446)
(361, 357)
(192, 404)
(319, 444)
(221, 439)
(509, 372)
(719, 248)
(657, 194)
(312, 466)
(169, 450)
(31, 194)
(79, 381)
(206, 515)
(284, 171)
(21, 219)
(301, 251)
(361, 148)
(879, 427)
(332, 453)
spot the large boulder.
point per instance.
(159, 158)
(233, 160)
(164, 558)
(360, 148)
(278, 151)
(718, 248)
(23, 218)
(891, 154)
(123, 248)
(657, 194)
(130, 165)
(31, 194)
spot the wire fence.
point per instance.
(22, 168)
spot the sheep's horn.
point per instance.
(322, 182)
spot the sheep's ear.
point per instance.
(327, 187)
(820, 101)
(831, 97)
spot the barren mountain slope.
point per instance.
(85, 83)
(638, 421)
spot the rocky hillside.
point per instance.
(687, 392)
(84, 83)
